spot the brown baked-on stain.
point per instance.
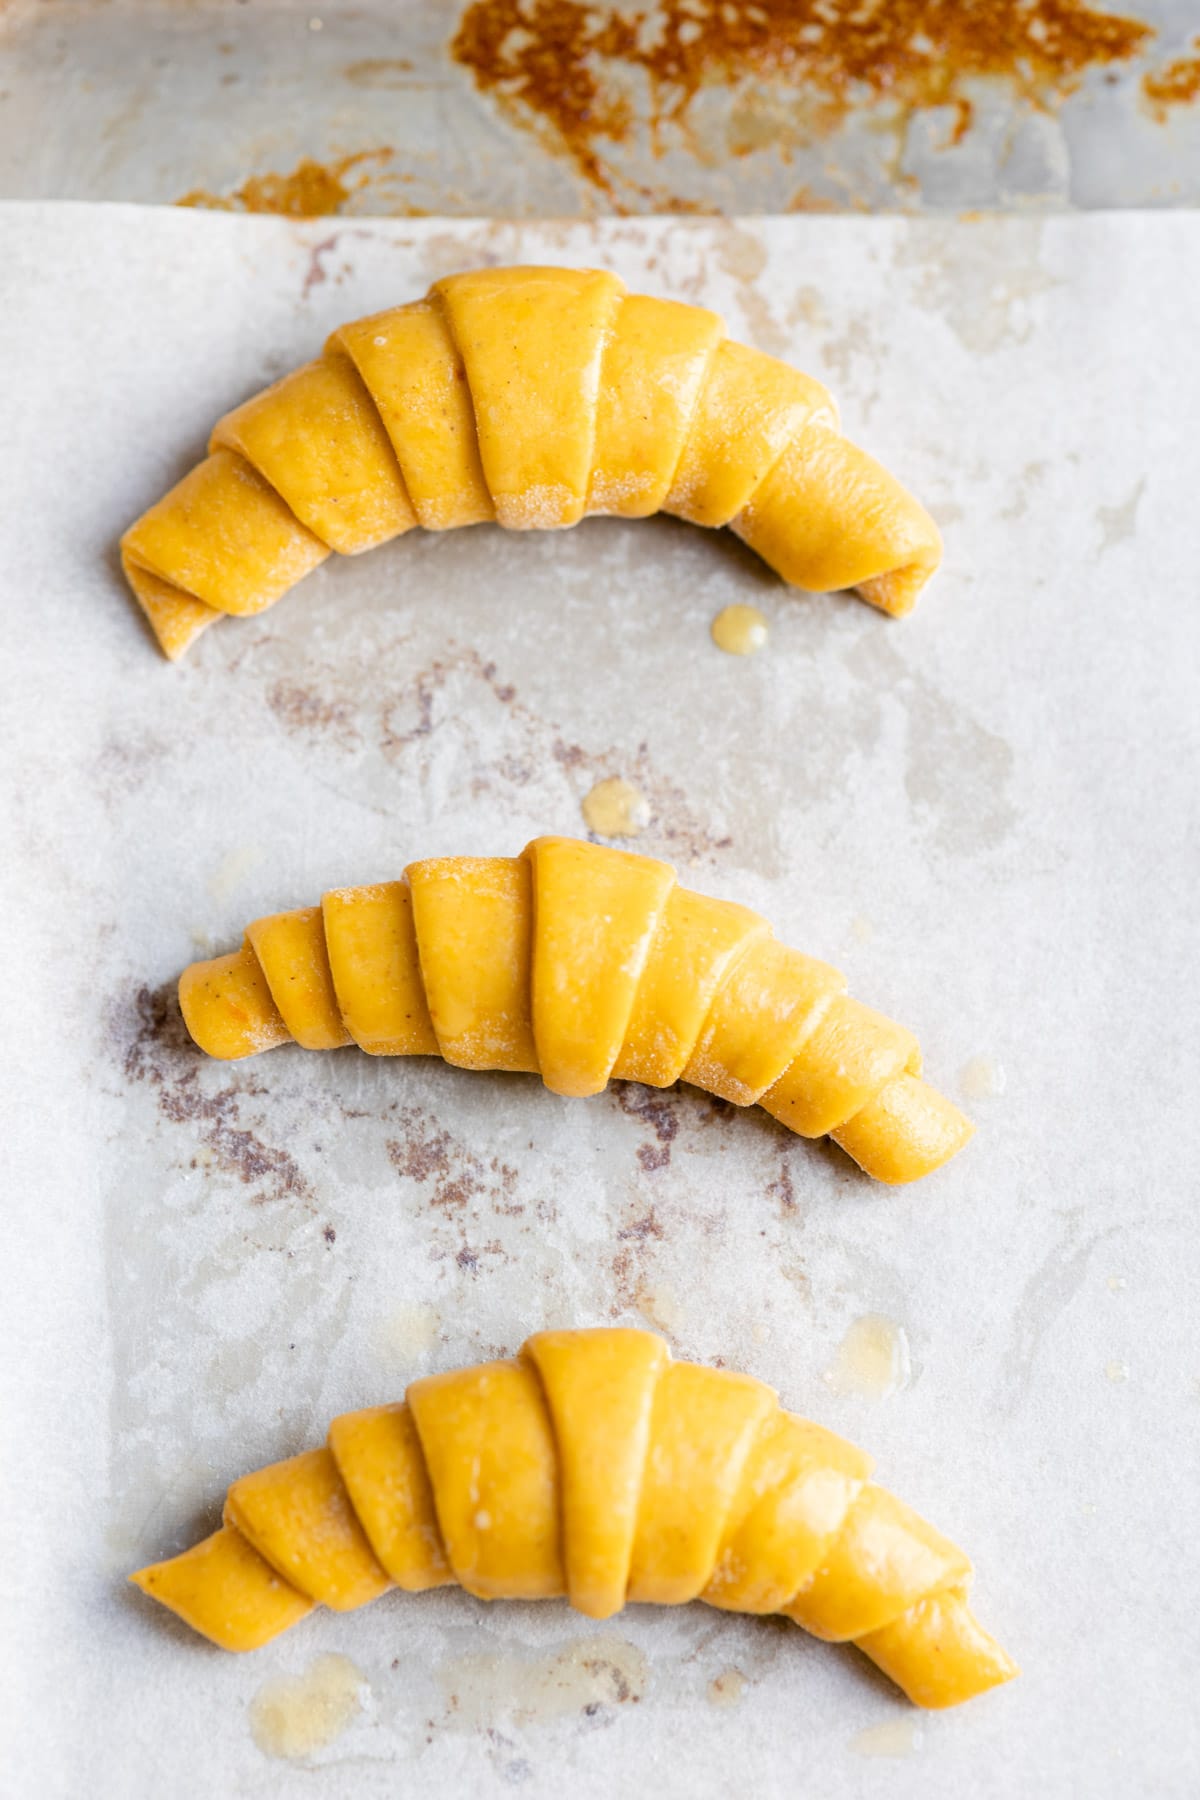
(657, 1109)
(465, 1192)
(313, 190)
(158, 1050)
(380, 72)
(300, 708)
(565, 66)
(1177, 83)
(783, 1188)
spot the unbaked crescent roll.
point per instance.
(531, 397)
(595, 1467)
(580, 963)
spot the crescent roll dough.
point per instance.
(531, 397)
(580, 963)
(592, 1466)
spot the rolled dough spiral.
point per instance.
(595, 1467)
(531, 397)
(580, 963)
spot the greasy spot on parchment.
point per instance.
(586, 1677)
(291, 1716)
(154, 1047)
(991, 298)
(587, 76)
(312, 190)
(1177, 83)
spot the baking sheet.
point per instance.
(986, 814)
(149, 100)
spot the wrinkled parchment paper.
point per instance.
(987, 815)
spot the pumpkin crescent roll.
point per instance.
(580, 963)
(595, 1467)
(531, 397)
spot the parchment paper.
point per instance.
(986, 815)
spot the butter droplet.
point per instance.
(660, 1305)
(894, 1737)
(408, 1334)
(739, 630)
(1117, 1371)
(293, 1715)
(232, 871)
(615, 808)
(727, 1688)
(873, 1359)
(981, 1078)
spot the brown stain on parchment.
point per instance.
(452, 1174)
(403, 718)
(585, 77)
(465, 1192)
(658, 1111)
(154, 1047)
(300, 707)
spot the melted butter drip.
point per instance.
(615, 808)
(727, 1688)
(739, 630)
(872, 1360)
(232, 871)
(981, 1078)
(660, 1306)
(409, 1333)
(293, 1715)
(587, 1674)
(894, 1737)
